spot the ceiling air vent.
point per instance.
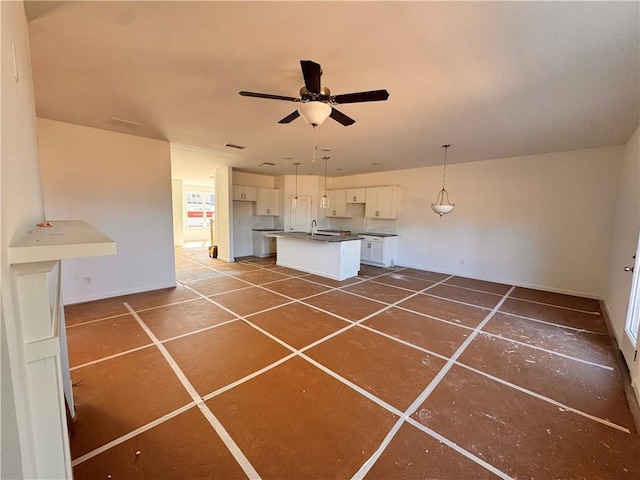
(266, 164)
(231, 145)
(118, 122)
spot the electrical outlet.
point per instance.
(87, 280)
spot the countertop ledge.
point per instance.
(372, 234)
(317, 237)
(267, 229)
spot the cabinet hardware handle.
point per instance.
(628, 269)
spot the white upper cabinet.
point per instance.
(246, 194)
(337, 204)
(356, 195)
(268, 202)
(381, 202)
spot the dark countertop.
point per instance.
(317, 237)
(373, 234)
(333, 230)
(268, 229)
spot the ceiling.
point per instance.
(495, 80)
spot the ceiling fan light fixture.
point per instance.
(314, 112)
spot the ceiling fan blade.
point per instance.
(340, 117)
(290, 118)
(372, 96)
(268, 95)
(311, 72)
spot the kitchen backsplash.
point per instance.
(261, 221)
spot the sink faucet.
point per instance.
(314, 226)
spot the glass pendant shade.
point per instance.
(314, 112)
(440, 207)
(294, 200)
(324, 200)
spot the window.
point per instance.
(200, 209)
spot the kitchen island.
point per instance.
(335, 257)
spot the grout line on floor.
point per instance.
(476, 289)
(575, 329)
(488, 375)
(588, 312)
(89, 322)
(246, 378)
(420, 399)
(109, 357)
(131, 434)
(560, 354)
(458, 448)
(539, 396)
(242, 460)
(460, 302)
(431, 317)
(203, 329)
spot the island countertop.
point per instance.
(317, 237)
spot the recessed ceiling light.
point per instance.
(326, 149)
(375, 163)
(338, 169)
(266, 164)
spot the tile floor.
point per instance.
(253, 370)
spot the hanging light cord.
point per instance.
(444, 170)
(325, 176)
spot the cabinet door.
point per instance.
(365, 250)
(356, 195)
(380, 202)
(268, 203)
(245, 194)
(385, 202)
(250, 194)
(331, 211)
(377, 252)
(372, 206)
(337, 204)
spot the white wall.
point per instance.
(21, 207)
(542, 220)
(121, 184)
(178, 209)
(224, 204)
(625, 236)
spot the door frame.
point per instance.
(631, 333)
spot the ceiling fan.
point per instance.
(317, 101)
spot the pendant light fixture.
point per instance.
(324, 200)
(440, 206)
(294, 200)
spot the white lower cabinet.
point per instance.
(378, 251)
